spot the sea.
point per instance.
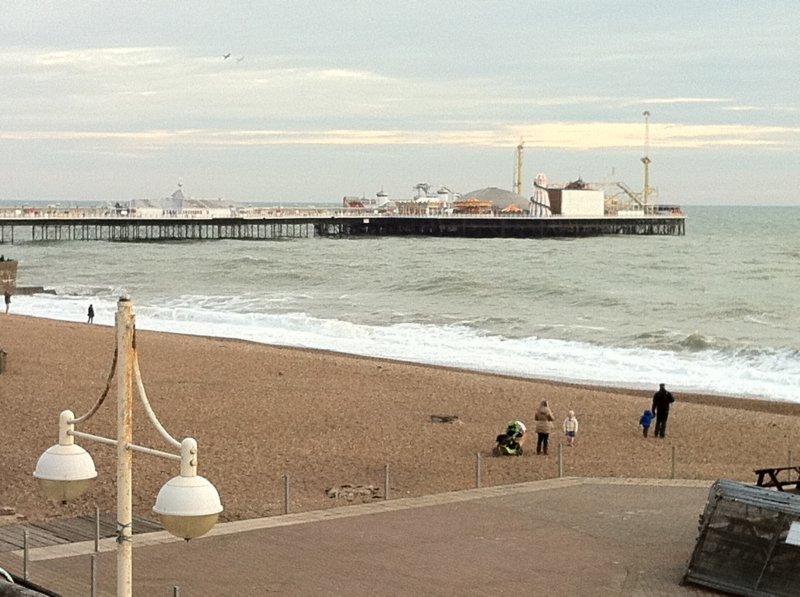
(714, 311)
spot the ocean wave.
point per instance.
(86, 291)
(695, 342)
(736, 313)
(766, 374)
(597, 302)
(675, 341)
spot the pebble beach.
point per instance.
(333, 427)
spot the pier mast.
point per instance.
(518, 177)
(646, 160)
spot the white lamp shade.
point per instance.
(188, 506)
(64, 472)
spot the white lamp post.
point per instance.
(188, 505)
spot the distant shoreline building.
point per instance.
(178, 204)
(490, 201)
(573, 199)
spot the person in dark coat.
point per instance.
(661, 401)
(90, 314)
(8, 300)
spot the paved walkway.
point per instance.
(582, 537)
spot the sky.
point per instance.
(112, 100)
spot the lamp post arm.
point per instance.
(102, 398)
(152, 452)
(148, 409)
(134, 447)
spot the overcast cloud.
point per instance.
(111, 100)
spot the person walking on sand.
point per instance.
(90, 314)
(8, 300)
(544, 425)
(645, 421)
(570, 427)
(661, 401)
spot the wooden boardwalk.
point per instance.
(67, 530)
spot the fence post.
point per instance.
(790, 464)
(25, 554)
(560, 460)
(176, 592)
(477, 470)
(93, 575)
(286, 494)
(673, 462)
(96, 529)
(386, 482)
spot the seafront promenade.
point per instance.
(570, 536)
(268, 223)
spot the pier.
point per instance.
(86, 224)
(500, 226)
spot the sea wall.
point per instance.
(8, 275)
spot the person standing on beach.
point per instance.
(90, 314)
(8, 300)
(544, 425)
(570, 427)
(661, 401)
(645, 421)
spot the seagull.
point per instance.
(226, 56)
(240, 58)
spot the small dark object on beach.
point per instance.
(444, 419)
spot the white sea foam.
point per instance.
(772, 376)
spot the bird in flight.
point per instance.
(226, 56)
(240, 58)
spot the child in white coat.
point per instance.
(570, 428)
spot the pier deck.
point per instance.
(79, 225)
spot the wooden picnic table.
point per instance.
(771, 477)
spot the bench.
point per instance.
(770, 477)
